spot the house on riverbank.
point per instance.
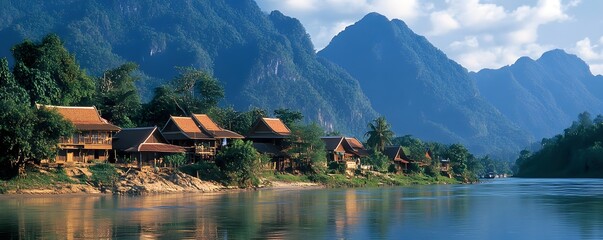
(344, 150)
(269, 137)
(198, 134)
(92, 139)
(144, 145)
(398, 157)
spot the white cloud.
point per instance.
(442, 23)
(406, 10)
(469, 42)
(590, 53)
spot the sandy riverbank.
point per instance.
(149, 181)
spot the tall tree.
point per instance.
(50, 74)
(26, 133)
(308, 147)
(458, 155)
(288, 117)
(117, 98)
(379, 134)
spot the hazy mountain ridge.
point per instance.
(543, 96)
(263, 60)
(419, 89)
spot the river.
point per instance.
(497, 209)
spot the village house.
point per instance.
(92, 139)
(398, 157)
(144, 145)
(269, 137)
(346, 150)
(198, 134)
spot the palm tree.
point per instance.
(379, 134)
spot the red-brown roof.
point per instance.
(160, 147)
(188, 126)
(268, 128)
(209, 127)
(277, 126)
(206, 122)
(84, 118)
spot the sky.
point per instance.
(477, 34)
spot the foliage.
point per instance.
(240, 162)
(36, 179)
(577, 152)
(288, 117)
(117, 97)
(379, 134)
(458, 156)
(103, 174)
(240, 122)
(308, 147)
(175, 160)
(50, 74)
(379, 161)
(207, 171)
(192, 91)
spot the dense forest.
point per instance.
(577, 152)
(261, 60)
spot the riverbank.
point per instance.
(147, 180)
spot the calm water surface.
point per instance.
(498, 209)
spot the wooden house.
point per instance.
(92, 139)
(199, 134)
(143, 145)
(269, 137)
(347, 150)
(397, 155)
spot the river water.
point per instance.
(497, 209)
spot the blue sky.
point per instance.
(476, 33)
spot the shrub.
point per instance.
(103, 174)
(240, 163)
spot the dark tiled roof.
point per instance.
(134, 140)
(331, 143)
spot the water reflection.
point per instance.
(506, 209)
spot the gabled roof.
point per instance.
(137, 140)
(331, 143)
(209, 127)
(350, 145)
(396, 153)
(269, 128)
(83, 118)
(187, 127)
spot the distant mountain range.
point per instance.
(418, 89)
(543, 96)
(374, 67)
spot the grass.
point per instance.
(36, 179)
(371, 179)
(103, 174)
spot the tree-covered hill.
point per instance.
(577, 152)
(263, 60)
(542, 96)
(418, 88)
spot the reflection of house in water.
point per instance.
(199, 134)
(269, 137)
(143, 145)
(92, 139)
(345, 150)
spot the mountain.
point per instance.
(543, 96)
(263, 60)
(418, 88)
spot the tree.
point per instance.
(308, 147)
(118, 99)
(198, 91)
(240, 162)
(50, 74)
(163, 105)
(288, 117)
(379, 161)
(379, 134)
(458, 155)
